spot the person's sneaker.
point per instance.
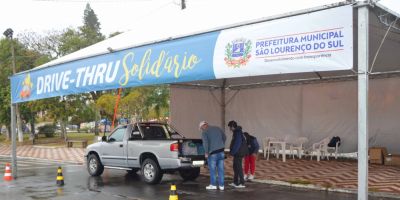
(240, 186)
(251, 177)
(211, 187)
(232, 184)
(246, 177)
(221, 188)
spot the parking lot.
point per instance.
(37, 180)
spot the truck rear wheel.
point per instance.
(151, 172)
(190, 174)
(94, 166)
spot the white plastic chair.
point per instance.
(320, 149)
(334, 150)
(267, 147)
(298, 145)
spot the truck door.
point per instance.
(113, 151)
(135, 143)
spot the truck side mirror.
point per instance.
(104, 138)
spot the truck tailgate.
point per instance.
(191, 148)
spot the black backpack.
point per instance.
(243, 150)
(334, 140)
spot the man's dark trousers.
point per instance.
(238, 170)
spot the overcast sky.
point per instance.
(122, 15)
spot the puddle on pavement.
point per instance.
(47, 193)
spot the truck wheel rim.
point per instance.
(149, 171)
(93, 165)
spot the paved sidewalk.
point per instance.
(326, 174)
(51, 153)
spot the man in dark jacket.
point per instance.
(238, 149)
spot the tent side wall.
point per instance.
(188, 107)
(315, 111)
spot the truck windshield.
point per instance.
(158, 131)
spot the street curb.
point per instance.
(315, 187)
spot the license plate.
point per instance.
(198, 163)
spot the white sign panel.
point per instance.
(318, 41)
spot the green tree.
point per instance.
(61, 109)
(144, 103)
(90, 21)
(158, 102)
(85, 114)
(56, 44)
(106, 104)
(90, 34)
(131, 105)
(47, 45)
(25, 59)
(5, 97)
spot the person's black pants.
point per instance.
(238, 170)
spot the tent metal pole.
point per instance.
(363, 102)
(13, 141)
(223, 105)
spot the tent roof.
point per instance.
(53, 77)
(196, 20)
(391, 6)
(385, 66)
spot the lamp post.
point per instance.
(14, 111)
(9, 34)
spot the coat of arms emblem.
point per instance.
(237, 53)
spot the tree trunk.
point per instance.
(63, 125)
(96, 122)
(95, 96)
(33, 127)
(79, 127)
(19, 125)
(8, 133)
(96, 128)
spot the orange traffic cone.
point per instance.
(7, 173)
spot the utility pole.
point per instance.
(14, 110)
(183, 4)
(9, 34)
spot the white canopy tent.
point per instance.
(315, 105)
(295, 104)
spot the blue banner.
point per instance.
(181, 60)
(321, 41)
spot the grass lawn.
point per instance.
(55, 141)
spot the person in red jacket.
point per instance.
(250, 159)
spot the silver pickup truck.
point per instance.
(152, 148)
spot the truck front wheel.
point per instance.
(190, 174)
(94, 166)
(151, 172)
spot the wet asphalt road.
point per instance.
(37, 180)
